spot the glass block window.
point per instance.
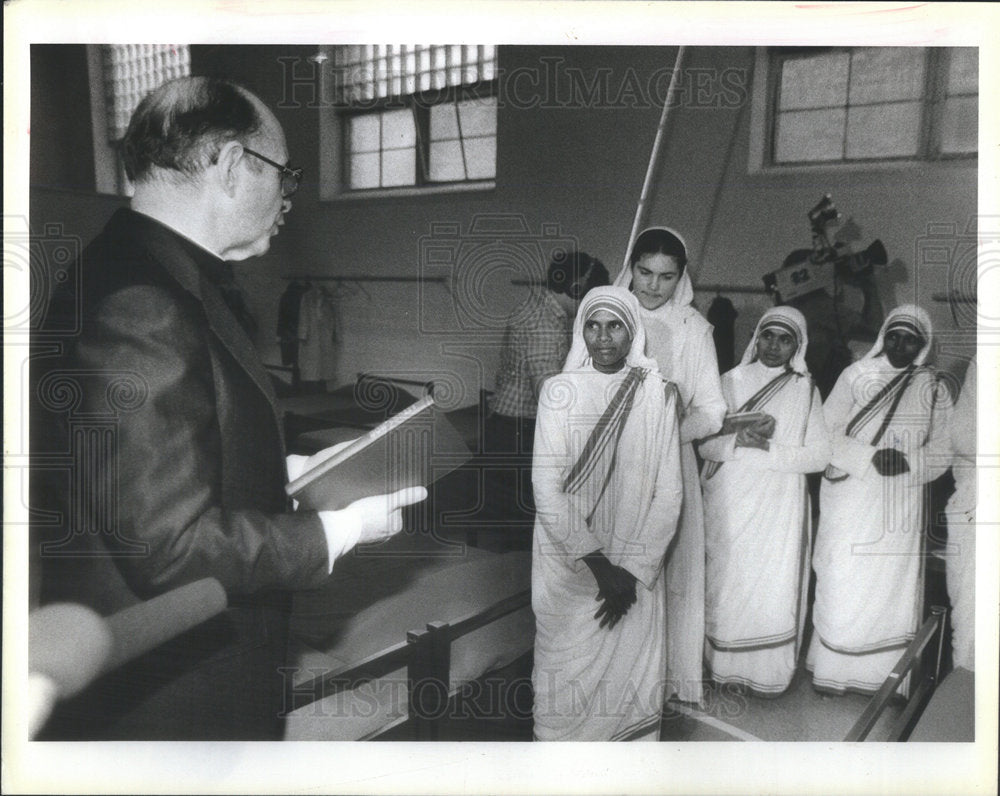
(415, 115)
(133, 70)
(873, 103)
(378, 71)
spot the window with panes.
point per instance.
(414, 116)
(843, 105)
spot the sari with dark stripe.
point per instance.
(890, 395)
(755, 402)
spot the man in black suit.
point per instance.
(178, 464)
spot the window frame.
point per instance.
(764, 110)
(109, 173)
(334, 149)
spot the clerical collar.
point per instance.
(218, 271)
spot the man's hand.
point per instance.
(297, 464)
(889, 461)
(615, 586)
(370, 519)
(381, 515)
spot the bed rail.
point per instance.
(427, 656)
(427, 387)
(916, 659)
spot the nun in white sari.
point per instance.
(680, 340)
(890, 424)
(607, 487)
(757, 512)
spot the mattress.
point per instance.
(373, 599)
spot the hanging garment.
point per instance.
(289, 306)
(722, 315)
(317, 336)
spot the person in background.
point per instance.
(534, 348)
(608, 487)
(843, 319)
(758, 529)
(680, 340)
(890, 428)
(960, 564)
(188, 479)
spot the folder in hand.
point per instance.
(413, 448)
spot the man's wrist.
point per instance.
(342, 530)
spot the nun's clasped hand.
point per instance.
(889, 461)
(615, 587)
(755, 436)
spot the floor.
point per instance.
(800, 714)
(501, 711)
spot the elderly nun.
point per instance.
(607, 483)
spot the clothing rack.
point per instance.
(955, 298)
(703, 288)
(730, 289)
(362, 278)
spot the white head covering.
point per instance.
(680, 302)
(911, 318)
(624, 306)
(791, 320)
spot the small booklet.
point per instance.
(413, 448)
(745, 418)
(736, 420)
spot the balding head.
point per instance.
(179, 128)
(207, 159)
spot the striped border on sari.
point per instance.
(608, 431)
(891, 393)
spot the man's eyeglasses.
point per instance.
(289, 177)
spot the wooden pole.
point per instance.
(654, 157)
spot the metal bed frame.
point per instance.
(922, 660)
(426, 654)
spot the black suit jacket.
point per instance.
(158, 459)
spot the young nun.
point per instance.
(757, 515)
(890, 423)
(680, 340)
(608, 493)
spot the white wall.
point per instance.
(570, 169)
